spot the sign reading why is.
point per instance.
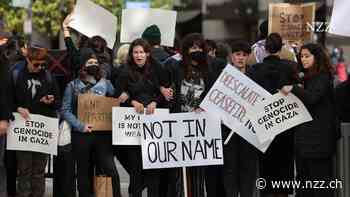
(277, 114)
(127, 125)
(180, 140)
(39, 134)
(291, 20)
(230, 97)
(96, 110)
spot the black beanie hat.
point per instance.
(152, 35)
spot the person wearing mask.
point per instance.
(34, 92)
(192, 77)
(315, 141)
(87, 142)
(139, 80)
(5, 106)
(277, 163)
(240, 158)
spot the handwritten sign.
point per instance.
(180, 140)
(96, 110)
(127, 125)
(230, 97)
(291, 20)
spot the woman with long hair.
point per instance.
(315, 140)
(138, 80)
(192, 78)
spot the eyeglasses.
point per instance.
(38, 64)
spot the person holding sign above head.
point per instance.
(139, 80)
(87, 142)
(192, 78)
(277, 163)
(315, 141)
(34, 92)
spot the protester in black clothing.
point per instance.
(277, 163)
(192, 78)
(315, 141)
(240, 158)
(34, 92)
(139, 80)
(89, 143)
(5, 106)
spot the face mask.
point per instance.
(198, 56)
(92, 70)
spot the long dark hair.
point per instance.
(189, 41)
(322, 61)
(85, 55)
(131, 62)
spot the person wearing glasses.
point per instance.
(34, 92)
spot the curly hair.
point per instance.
(194, 39)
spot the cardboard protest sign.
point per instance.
(340, 12)
(91, 20)
(180, 140)
(96, 110)
(230, 97)
(277, 114)
(127, 125)
(291, 20)
(39, 134)
(135, 21)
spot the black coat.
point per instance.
(142, 84)
(5, 92)
(277, 163)
(316, 139)
(22, 93)
(175, 74)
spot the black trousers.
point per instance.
(100, 145)
(214, 178)
(131, 159)
(240, 168)
(64, 173)
(311, 169)
(11, 170)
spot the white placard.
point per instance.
(277, 114)
(180, 140)
(230, 97)
(127, 125)
(39, 134)
(21, 3)
(92, 20)
(338, 24)
(135, 21)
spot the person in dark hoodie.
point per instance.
(87, 142)
(35, 92)
(272, 74)
(5, 106)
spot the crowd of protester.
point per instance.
(146, 76)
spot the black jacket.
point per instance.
(5, 92)
(317, 138)
(141, 85)
(22, 94)
(175, 74)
